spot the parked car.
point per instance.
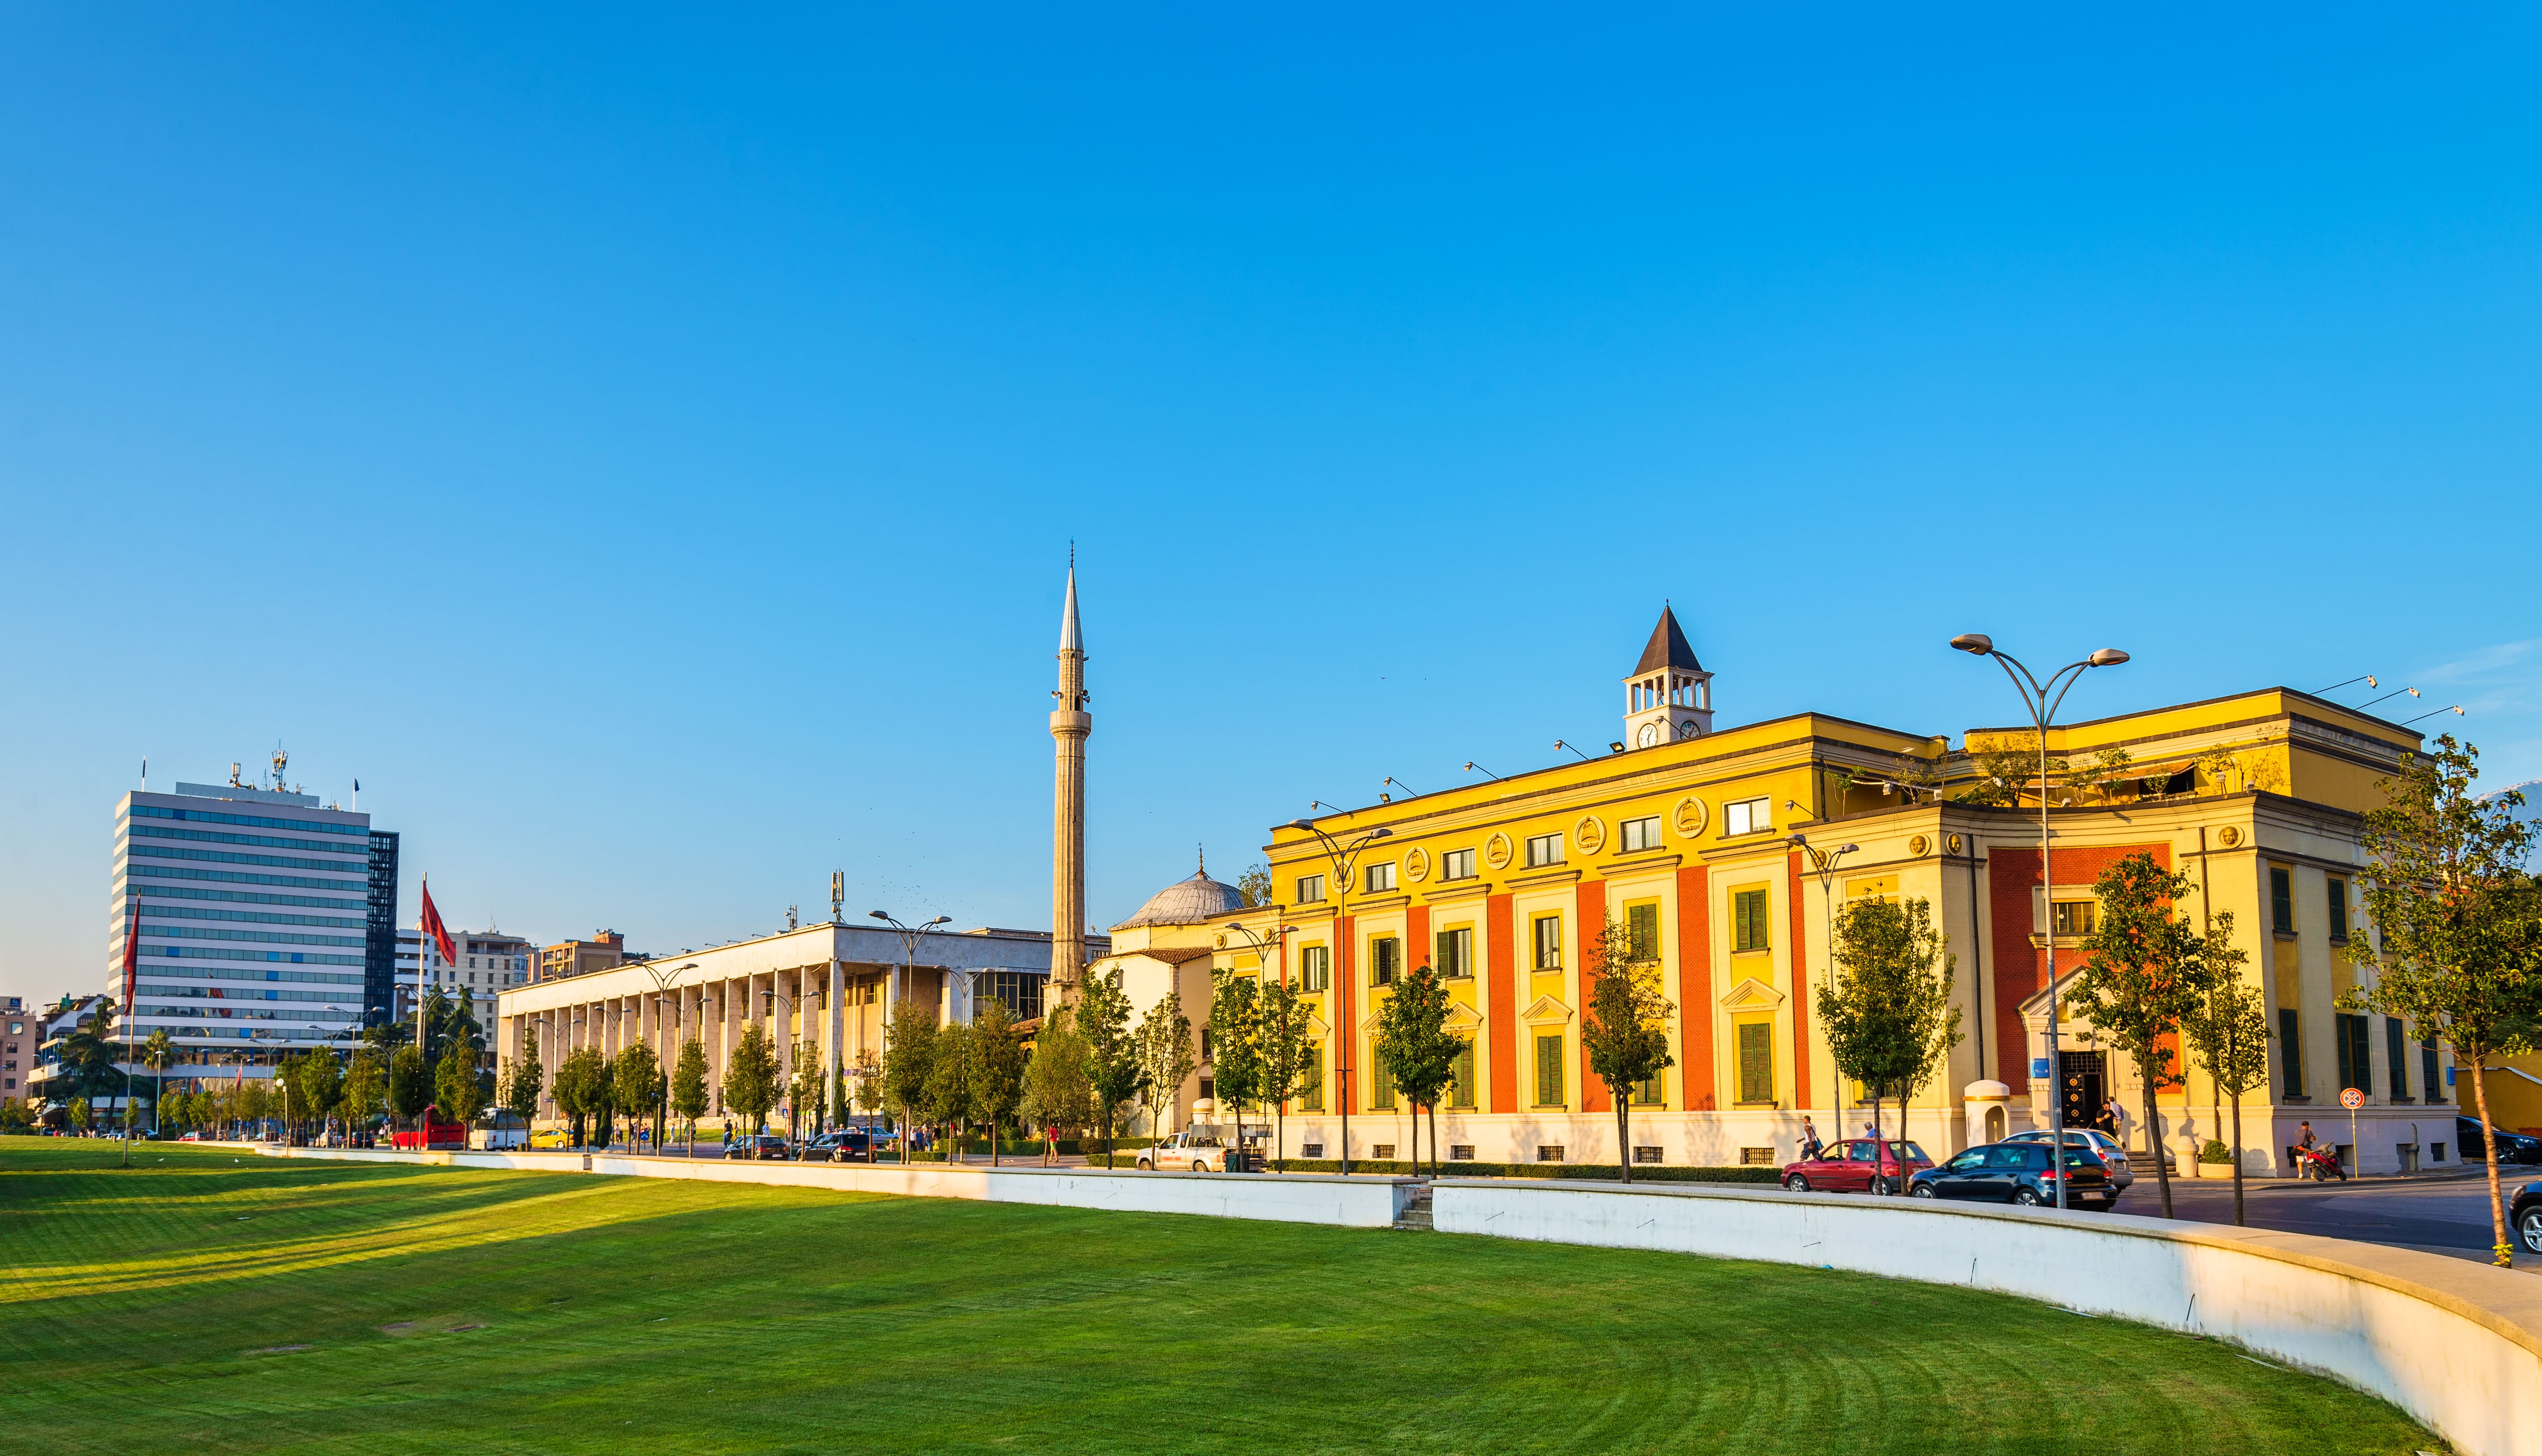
(1198, 1152)
(847, 1145)
(2512, 1147)
(547, 1137)
(2017, 1173)
(2114, 1158)
(2525, 1216)
(1846, 1167)
(757, 1146)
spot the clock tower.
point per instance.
(1669, 696)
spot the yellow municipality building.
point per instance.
(1706, 845)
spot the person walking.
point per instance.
(1811, 1146)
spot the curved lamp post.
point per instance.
(1822, 865)
(1344, 857)
(2043, 700)
(1261, 947)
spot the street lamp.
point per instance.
(1343, 858)
(1822, 865)
(2043, 712)
(1261, 948)
(909, 938)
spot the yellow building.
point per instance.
(1702, 844)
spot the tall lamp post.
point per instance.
(665, 980)
(2043, 700)
(1261, 947)
(1822, 865)
(1344, 858)
(909, 935)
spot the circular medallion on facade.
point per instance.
(1496, 852)
(1590, 834)
(2229, 836)
(1918, 846)
(1416, 865)
(1952, 844)
(1688, 816)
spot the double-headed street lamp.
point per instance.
(1344, 857)
(2035, 696)
(1822, 865)
(1262, 952)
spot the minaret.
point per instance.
(1069, 723)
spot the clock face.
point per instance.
(1649, 735)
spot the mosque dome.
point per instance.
(1187, 903)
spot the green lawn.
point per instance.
(205, 1302)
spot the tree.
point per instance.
(1112, 1073)
(89, 1055)
(2228, 1030)
(524, 1079)
(321, 1085)
(688, 1086)
(1165, 1058)
(1888, 1005)
(2145, 974)
(1056, 1091)
(580, 1092)
(158, 1053)
(997, 1057)
(866, 1077)
(637, 1079)
(80, 1112)
(750, 1082)
(1282, 1049)
(365, 1082)
(1235, 1045)
(1624, 1028)
(454, 1082)
(1414, 1045)
(1932, 1022)
(907, 1060)
(1254, 886)
(2455, 950)
(948, 1086)
(410, 1083)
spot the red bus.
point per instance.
(435, 1135)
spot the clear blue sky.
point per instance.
(644, 446)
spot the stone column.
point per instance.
(838, 1063)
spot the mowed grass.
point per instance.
(212, 1302)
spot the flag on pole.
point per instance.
(131, 958)
(433, 927)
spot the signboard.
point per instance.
(2038, 1066)
(2351, 1098)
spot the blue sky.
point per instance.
(644, 446)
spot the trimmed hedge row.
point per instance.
(1646, 1173)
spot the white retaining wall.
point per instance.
(1289, 1198)
(2458, 1345)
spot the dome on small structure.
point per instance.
(1187, 903)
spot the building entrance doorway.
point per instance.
(2084, 1086)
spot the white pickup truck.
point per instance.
(1192, 1150)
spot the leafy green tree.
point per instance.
(158, 1053)
(1878, 1016)
(1254, 886)
(866, 1078)
(688, 1086)
(410, 1083)
(15, 1116)
(577, 1090)
(996, 1067)
(1165, 1058)
(80, 1112)
(2145, 974)
(948, 1087)
(751, 1081)
(908, 1065)
(1624, 1028)
(1103, 1017)
(2456, 949)
(454, 1084)
(524, 1079)
(1056, 1091)
(321, 1085)
(2228, 1030)
(1234, 1044)
(1416, 1048)
(365, 1084)
(637, 1081)
(1282, 1049)
(1932, 1022)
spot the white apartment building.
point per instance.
(489, 961)
(263, 916)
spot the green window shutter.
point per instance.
(1642, 927)
(2337, 909)
(2396, 1050)
(1747, 912)
(1755, 1062)
(1462, 1093)
(2290, 1049)
(1382, 1095)
(1548, 1071)
(2431, 1075)
(2281, 901)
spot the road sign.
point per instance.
(2038, 1066)
(2351, 1098)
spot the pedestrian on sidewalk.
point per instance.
(1811, 1146)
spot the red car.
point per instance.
(1846, 1167)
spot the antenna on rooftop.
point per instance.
(838, 896)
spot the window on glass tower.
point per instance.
(1310, 888)
(1385, 960)
(1641, 833)
(1548, 1071)
(1544, 849)
(1750, 928)
(1642, 931)
(1548, 942)
(2281, 901)
(1455, 958)
(1380, 878)
(1315, 968)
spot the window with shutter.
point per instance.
(2290, 1049)
(2396, 1052)
(1755, 1062)
(2430, 1073)
(1642, 931)
(1381, 1094)
(2281, 901)
(1749, 923)
(1548, 1071)
(1548, 942)
(2339, 910)
(1461, 1090)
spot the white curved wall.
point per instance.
(2456, 1344)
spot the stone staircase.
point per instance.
(1416, 1214)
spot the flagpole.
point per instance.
(132, 952)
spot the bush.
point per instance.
(1586, 1172)
(2214, 1153)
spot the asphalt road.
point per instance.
(2446, 1217)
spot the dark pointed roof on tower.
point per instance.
(1668, 648)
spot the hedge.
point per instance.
(1591, 1172)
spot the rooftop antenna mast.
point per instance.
(838, 896)
(281, 761)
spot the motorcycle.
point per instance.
(2320, 1164)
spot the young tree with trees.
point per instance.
(365, 1085)
(158, 1053)
(807, 1094)
(1280, 1043)
(1112, 1064)
(410, 1083)
(2455, 948)
(908, 1064)
(751, 1081)
(689, 1088)
(948, 1087)
(1234, 1046)
(1886, 1018)
(1165, 1058)
(321, 1085)
(2145, 974)
(2228, 1032)
(455, 1086)
(1415, 1048)
(1624, 1028)
(524, 1079)
(1057, 1093)
(997, 1057)
(637, 1079)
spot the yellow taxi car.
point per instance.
(550, 1137)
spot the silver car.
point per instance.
(2102, 1145)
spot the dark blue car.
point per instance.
(2016, 1172)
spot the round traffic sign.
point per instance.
(2351, 1098)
